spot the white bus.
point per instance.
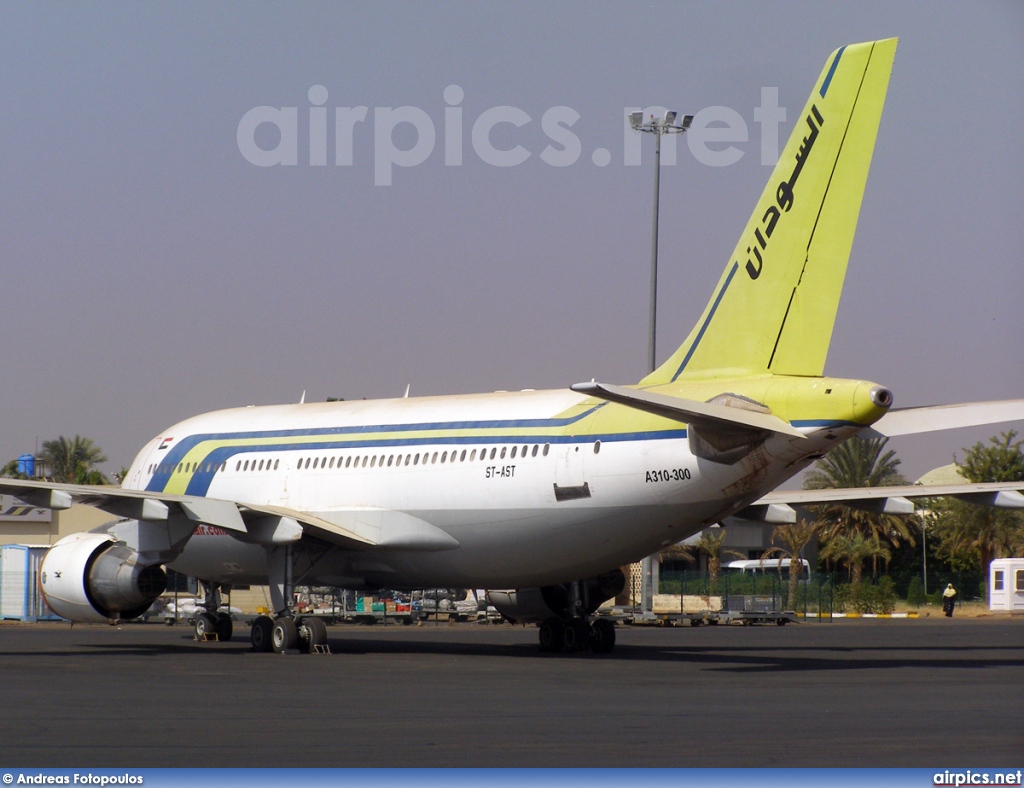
(756, 565)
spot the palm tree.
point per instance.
(710, 543)
(859, 462)
(794, 537)
(852, 550)
(73, 461)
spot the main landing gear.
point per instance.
(287, 633)
(577, 634)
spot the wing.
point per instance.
(356, 528)
(776, 505)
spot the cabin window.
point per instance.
(597, 447)
(536, 447)
(546, 447)
(261, 465)
(514, 449)
(462, 457)
(502, 452)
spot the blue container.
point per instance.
(27, 465)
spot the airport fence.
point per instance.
(751, 592)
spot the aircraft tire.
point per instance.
(262, 628)
(225, 627)
(551, 640)
(285, 635)
(206, 627)
(573, 639)
(316, 631)
(602, 636)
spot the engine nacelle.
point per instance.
(536, 605)
(92, 577)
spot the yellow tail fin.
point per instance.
(775, 305)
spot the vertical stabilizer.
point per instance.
(775, 305)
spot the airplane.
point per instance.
(544, 493)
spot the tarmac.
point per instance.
(929, 692)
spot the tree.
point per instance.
(974, 535)
(11, 471)
(859, 462)
(794, 538)
(851, 551)
(73, 461)
(710, 544)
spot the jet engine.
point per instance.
(535, 605)
(92, 577)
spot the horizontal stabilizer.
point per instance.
(910, 421)
(700, 414)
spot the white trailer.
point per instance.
(1006, 584)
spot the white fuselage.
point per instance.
(536, 487)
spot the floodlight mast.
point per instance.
(658, 127)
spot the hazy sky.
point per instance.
(152, 271)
